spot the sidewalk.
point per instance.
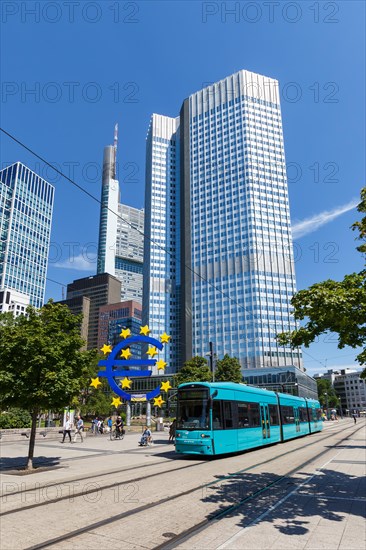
(326, 509)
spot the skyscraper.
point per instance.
(26, 205)
(120, 248)
(235, 259)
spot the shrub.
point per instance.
(15, 418)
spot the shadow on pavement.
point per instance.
(19, 462)
(329, 495)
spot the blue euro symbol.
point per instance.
(112, 365)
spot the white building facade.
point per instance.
(233, 270)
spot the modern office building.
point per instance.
(286, 380)
(13, 301)
(161, 276)
(115, 317)
(218, 250)
(121, 228)
(350, 388)
(26, 205)
(130, 252)
(101, 289)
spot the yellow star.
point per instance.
(125, 353)
(160, 364)
(165, 338)
(165, 386)
(158, 401)
(125, 333)
(116, 402)
(106, 349)
(95, 382)
(152, 351)
(145, 330)
(126, 383)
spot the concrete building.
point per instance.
(13, 301)
(80, 305)
(101, 289)
(350, 388)
(26, 206)
(218, 263)
(286, 380)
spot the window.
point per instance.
(303, 414)
(287, 415)
(273, 415)
(216, 416)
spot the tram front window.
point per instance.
(193, 410)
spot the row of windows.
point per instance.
(238, 414)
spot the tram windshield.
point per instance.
(193, 410)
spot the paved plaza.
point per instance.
(305, 494)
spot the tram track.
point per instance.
(180, 495)
(116, 484)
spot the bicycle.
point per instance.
(116, 434)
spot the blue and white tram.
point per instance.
(224, 417)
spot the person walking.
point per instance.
(354, 416)
(79, 429)
(67, 429)
(172, 430)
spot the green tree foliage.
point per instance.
(41, 365)
(228, 369)
(96, 402)
(334, 306)
(326, 390)
(15, 418)
(195, 370)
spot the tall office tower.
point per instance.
(113, 318)
(130, 252)
(26, 205)
(108, 210)
(237, 271)
(121, 243)
(102, 289)
(161, 271)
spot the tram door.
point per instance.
(266, 428)
(297, 419)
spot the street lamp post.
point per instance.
(212, 366)
(326, 404)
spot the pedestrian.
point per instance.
(354, 416)
(79, 428)
(109, 424)
(172, 430)
(67, 429)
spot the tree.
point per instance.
(326, 393)
(334, 306)
(41, 365)
(228, 369)
(194, 370)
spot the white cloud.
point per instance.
(309, 225)
(79, 263)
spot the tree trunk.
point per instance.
(32, 440)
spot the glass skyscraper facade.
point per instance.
(26, 206)
(161, 269)
(235, 256)
(121, 228)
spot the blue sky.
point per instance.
(71, 70)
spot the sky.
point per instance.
(71, 70)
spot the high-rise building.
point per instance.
(217, 204)
(101, 289)
(115, 317)
(121, 245)
(130, 252)
(80, 305)
(26, 205)
(161, 276)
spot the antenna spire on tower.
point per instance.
(115, 140)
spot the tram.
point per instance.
(223, 417)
